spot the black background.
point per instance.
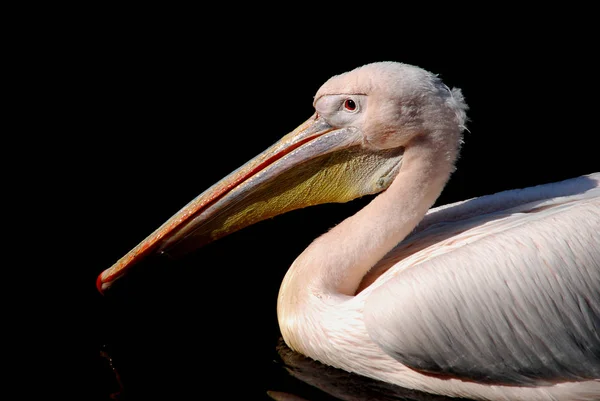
(146, 111)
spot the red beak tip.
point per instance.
(99, 283)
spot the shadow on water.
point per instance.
(300, 378)
(340, 384)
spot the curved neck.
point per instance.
(336, 262)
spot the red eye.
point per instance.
(349, 105)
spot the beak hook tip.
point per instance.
(100, 284)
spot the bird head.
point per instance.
(350, 147)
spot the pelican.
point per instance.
(493, 298)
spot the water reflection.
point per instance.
(296, 378)
(339, 384)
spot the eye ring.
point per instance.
(350, 105)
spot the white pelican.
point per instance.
(494, 298)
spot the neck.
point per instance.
(336, 262)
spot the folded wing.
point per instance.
(500, 305)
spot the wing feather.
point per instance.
(516, 303)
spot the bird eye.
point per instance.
(349, 105)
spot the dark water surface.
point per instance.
(194, 333)
(159, 116)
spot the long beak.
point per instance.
(314, 164)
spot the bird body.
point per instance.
(493, 298)
(427, 309)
